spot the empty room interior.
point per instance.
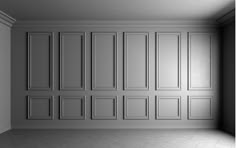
(117, 74)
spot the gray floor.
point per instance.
(170, 138)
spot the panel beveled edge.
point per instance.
(95, 117)
(200, 118)
(115, 47)
(125, 66)
(157, 62)
(51, 108)
(51, 60)
(189, 61)
(83, 108)
(158, 117)
(127, 117)
(83, 61)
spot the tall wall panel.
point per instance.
(72, 61)
(40, 60)
(168, 61)
(200, 61)
(104, 65)
(136, 61)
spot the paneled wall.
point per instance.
(114, 77)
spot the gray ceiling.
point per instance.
(116, 9)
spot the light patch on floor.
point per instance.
(141, 138)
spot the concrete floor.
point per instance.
(162, 138)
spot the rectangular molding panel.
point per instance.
(168, 108)
(72, 61)
(200, 61)
(115, 76)
(40, 107)
(72, 107)
(168, 61)
(40, 60)
(104, 65)
(136, 61)
(136, 107)
(199, 107)
(104, 107)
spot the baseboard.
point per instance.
(229, 130)
(4, 129)
(197, 128)
(116, 124)
(104, 128)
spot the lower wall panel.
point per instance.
(72, 108)
(94, 112)
(104, 108)
(168, 108)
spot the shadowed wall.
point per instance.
(228, 53)
(5, 76)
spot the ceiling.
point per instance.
(116, 9)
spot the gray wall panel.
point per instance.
(104, 57)
(136, 107)
(104, 107)
(72, 61)
(168, 61)
(72, 107)
(40, 58)
(200, 61)
(168, 107)
(199, 107)
(136, 61)
(40, 107)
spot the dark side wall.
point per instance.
(228, 71)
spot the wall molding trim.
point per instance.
(6, 19)
(226, 18)
(120, 23)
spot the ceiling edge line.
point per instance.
(226, 18)
(6, 19)
(116, 23)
